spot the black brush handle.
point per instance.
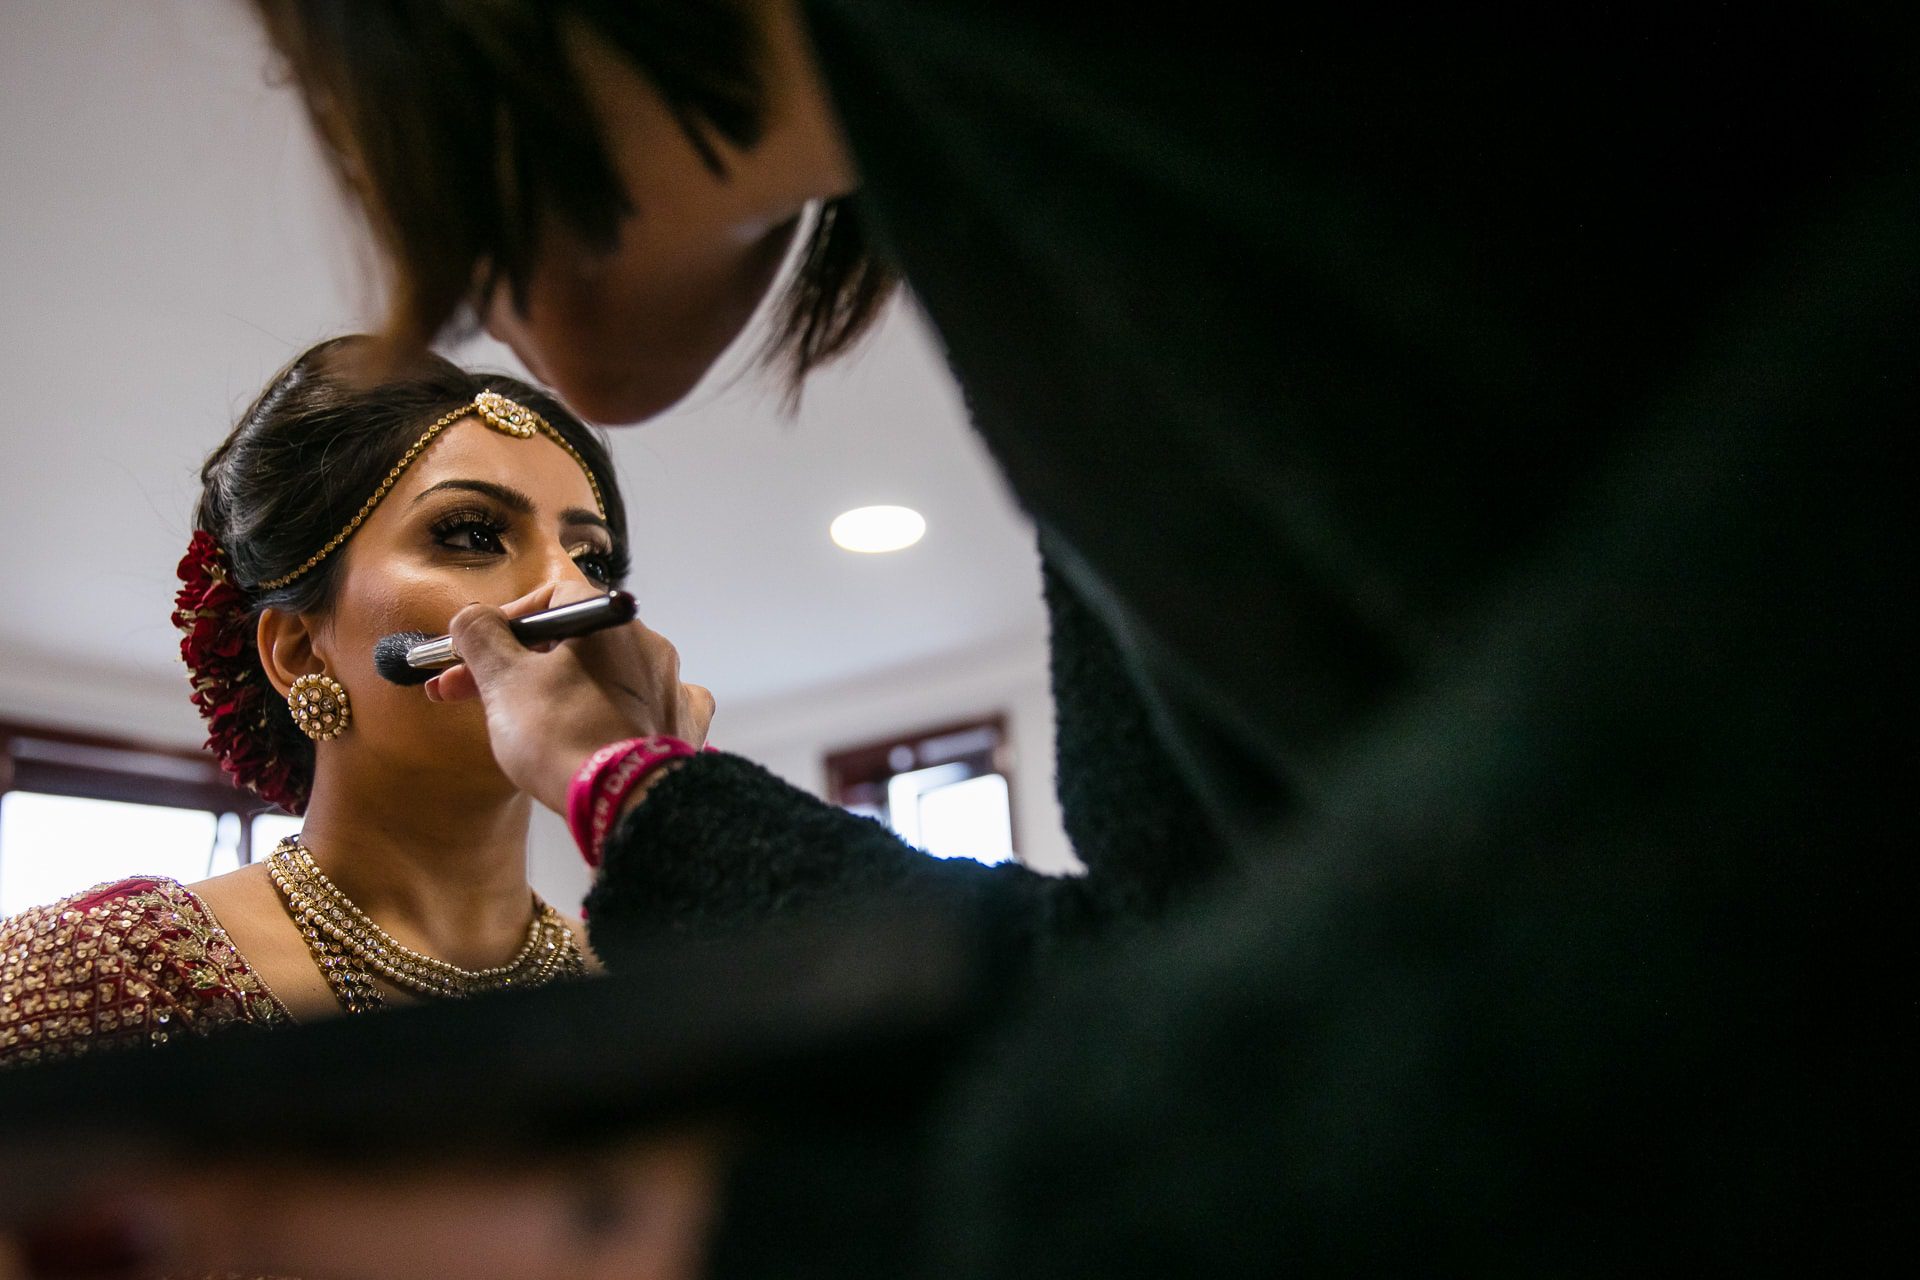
(577, 619)
(563, 623)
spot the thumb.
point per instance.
(481, 637)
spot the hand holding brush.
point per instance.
(613, 679)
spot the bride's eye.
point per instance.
(597, 565)
(470, 531)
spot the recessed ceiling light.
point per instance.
(875, 529)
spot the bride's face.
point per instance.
(480, 516)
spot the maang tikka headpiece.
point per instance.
(509, 417)
(214, 614)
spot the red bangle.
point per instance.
(603, 782)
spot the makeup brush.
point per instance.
(409, 657)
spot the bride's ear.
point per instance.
(287, 652)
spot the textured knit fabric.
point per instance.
(721, 845)
(1478, 438)
(1479, 442)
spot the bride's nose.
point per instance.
(563, 573)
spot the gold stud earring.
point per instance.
(319, 707)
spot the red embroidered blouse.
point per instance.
(139, 961)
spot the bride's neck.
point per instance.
(443, 871)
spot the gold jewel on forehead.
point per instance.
(509, 417)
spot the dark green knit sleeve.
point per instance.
(1144, 836)
(721, 845)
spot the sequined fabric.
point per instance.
(138, 961)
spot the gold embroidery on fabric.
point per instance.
(143, 967)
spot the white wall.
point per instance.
(57, 692)
(554, 866)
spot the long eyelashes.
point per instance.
(615, 565)
(482, 531)
(477, 532)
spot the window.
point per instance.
(943, 790)
(76, 810)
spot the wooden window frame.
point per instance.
(92, 766)
(853, 769)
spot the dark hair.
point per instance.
(465, 135)
(302, 460)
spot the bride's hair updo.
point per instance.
(303, 460)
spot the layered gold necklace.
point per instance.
(355, 954)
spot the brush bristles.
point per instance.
(390, 658)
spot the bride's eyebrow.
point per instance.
(510, 498)
(580, 515)
(517, 502)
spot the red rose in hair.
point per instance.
(216, 643)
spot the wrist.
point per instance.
(609, 782)
(654, 777)
(560, 764)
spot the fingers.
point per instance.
(663, 659)
(550, 596)
(455, 684)
(471, 634)
(541, 597)
(485, 643)
(702, 699)
(629, 650)
(700, 708)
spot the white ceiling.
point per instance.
(168, 240)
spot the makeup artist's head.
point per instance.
(478, 514)
(611, 190)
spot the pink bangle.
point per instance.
(603, 782)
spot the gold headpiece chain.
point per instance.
(506, 416)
